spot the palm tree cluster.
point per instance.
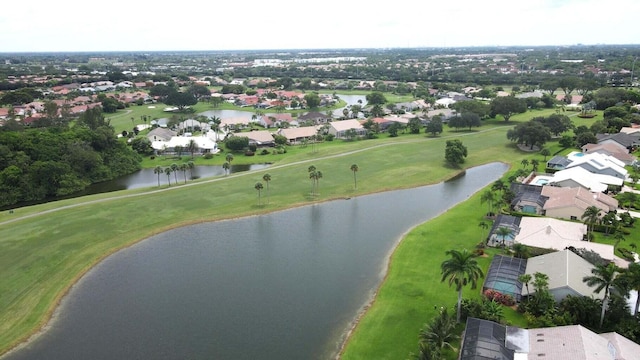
(173, 169)
(437, 335)
(315, 175)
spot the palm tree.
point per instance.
(590, 216)
(534, 164)
(184, 167)
(524, 163)
(191, 166)
(174, 169)
(226, 166)
(489, 197)
(427, 351)
(312, 175)
(525, 279)
(461, 269)
(267, 178)
(631, 278)
(503, 232)
(545, 152)
(441, 332)
(168, 171)
(355, 169)
(192, 147)
(158, 170)
(603, 277)
(484, 226)
(229, 158)
(258, 187)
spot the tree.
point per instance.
(520, 251)
(459, 270)
(525, 279)
(545, 152)
(191, 166)
(229, 157)
(312, 100)
(174, 169)
(415, 125)
(590, 217)
(441, 332)
(434, 126)
(394, 128)
(376, 98)
(354, 168)
(184, 167)
(267, 179)
(531, 133)
(455, 152)
(167, 172)
(226, 166)
(484, 226)
(237, 143)
(507, 106)
(631, 278)
(181, 100)
(534, 164)
(158, 170)
(524, 163)
(503, 232)
(489, 197)
(258, 186)
(602, 278)
(192, 147)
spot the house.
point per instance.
(610, 148)
(444, 114)
(630, 142)
(549, 233)
(297, 135)
(578, 176)
(565, 270)
(203, 143)
(237, 123)
(599, 164)
(339, 129)
(528, 198)
(484, 339)
(315, 117)
(571, 203)
(161, 134)
(503, 276)
(260, 138)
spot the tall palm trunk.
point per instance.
(459, 304)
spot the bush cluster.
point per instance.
(504, 299)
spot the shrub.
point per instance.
(208, 156)
(264, 152)
(504, 299)
(253, 147)
(249, 153)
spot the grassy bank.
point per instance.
(43, 255)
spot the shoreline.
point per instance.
(53, 310)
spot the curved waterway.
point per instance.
(285, 285)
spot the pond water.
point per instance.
(285, 285)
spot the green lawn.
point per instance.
(44, 254)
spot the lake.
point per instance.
(285, 285)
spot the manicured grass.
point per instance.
(43, 255)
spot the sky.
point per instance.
(119, 25)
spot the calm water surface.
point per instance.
(285, 285)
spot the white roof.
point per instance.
(587, 179)
(598, 161)
(203, 142)
(569, 342)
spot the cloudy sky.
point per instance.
(119, 25)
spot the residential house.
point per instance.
(444, 114)
(315, 117)
(548, 233)
(630, 142)
(260, 138)
(237, 123)
(161, 134)
(203, 143)
(578, 176)
(611, 148)
(297, 135)
(571, 203)
(599, 164)
(276, 120)
(484, 339)
(565, 270)
(339, 129)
